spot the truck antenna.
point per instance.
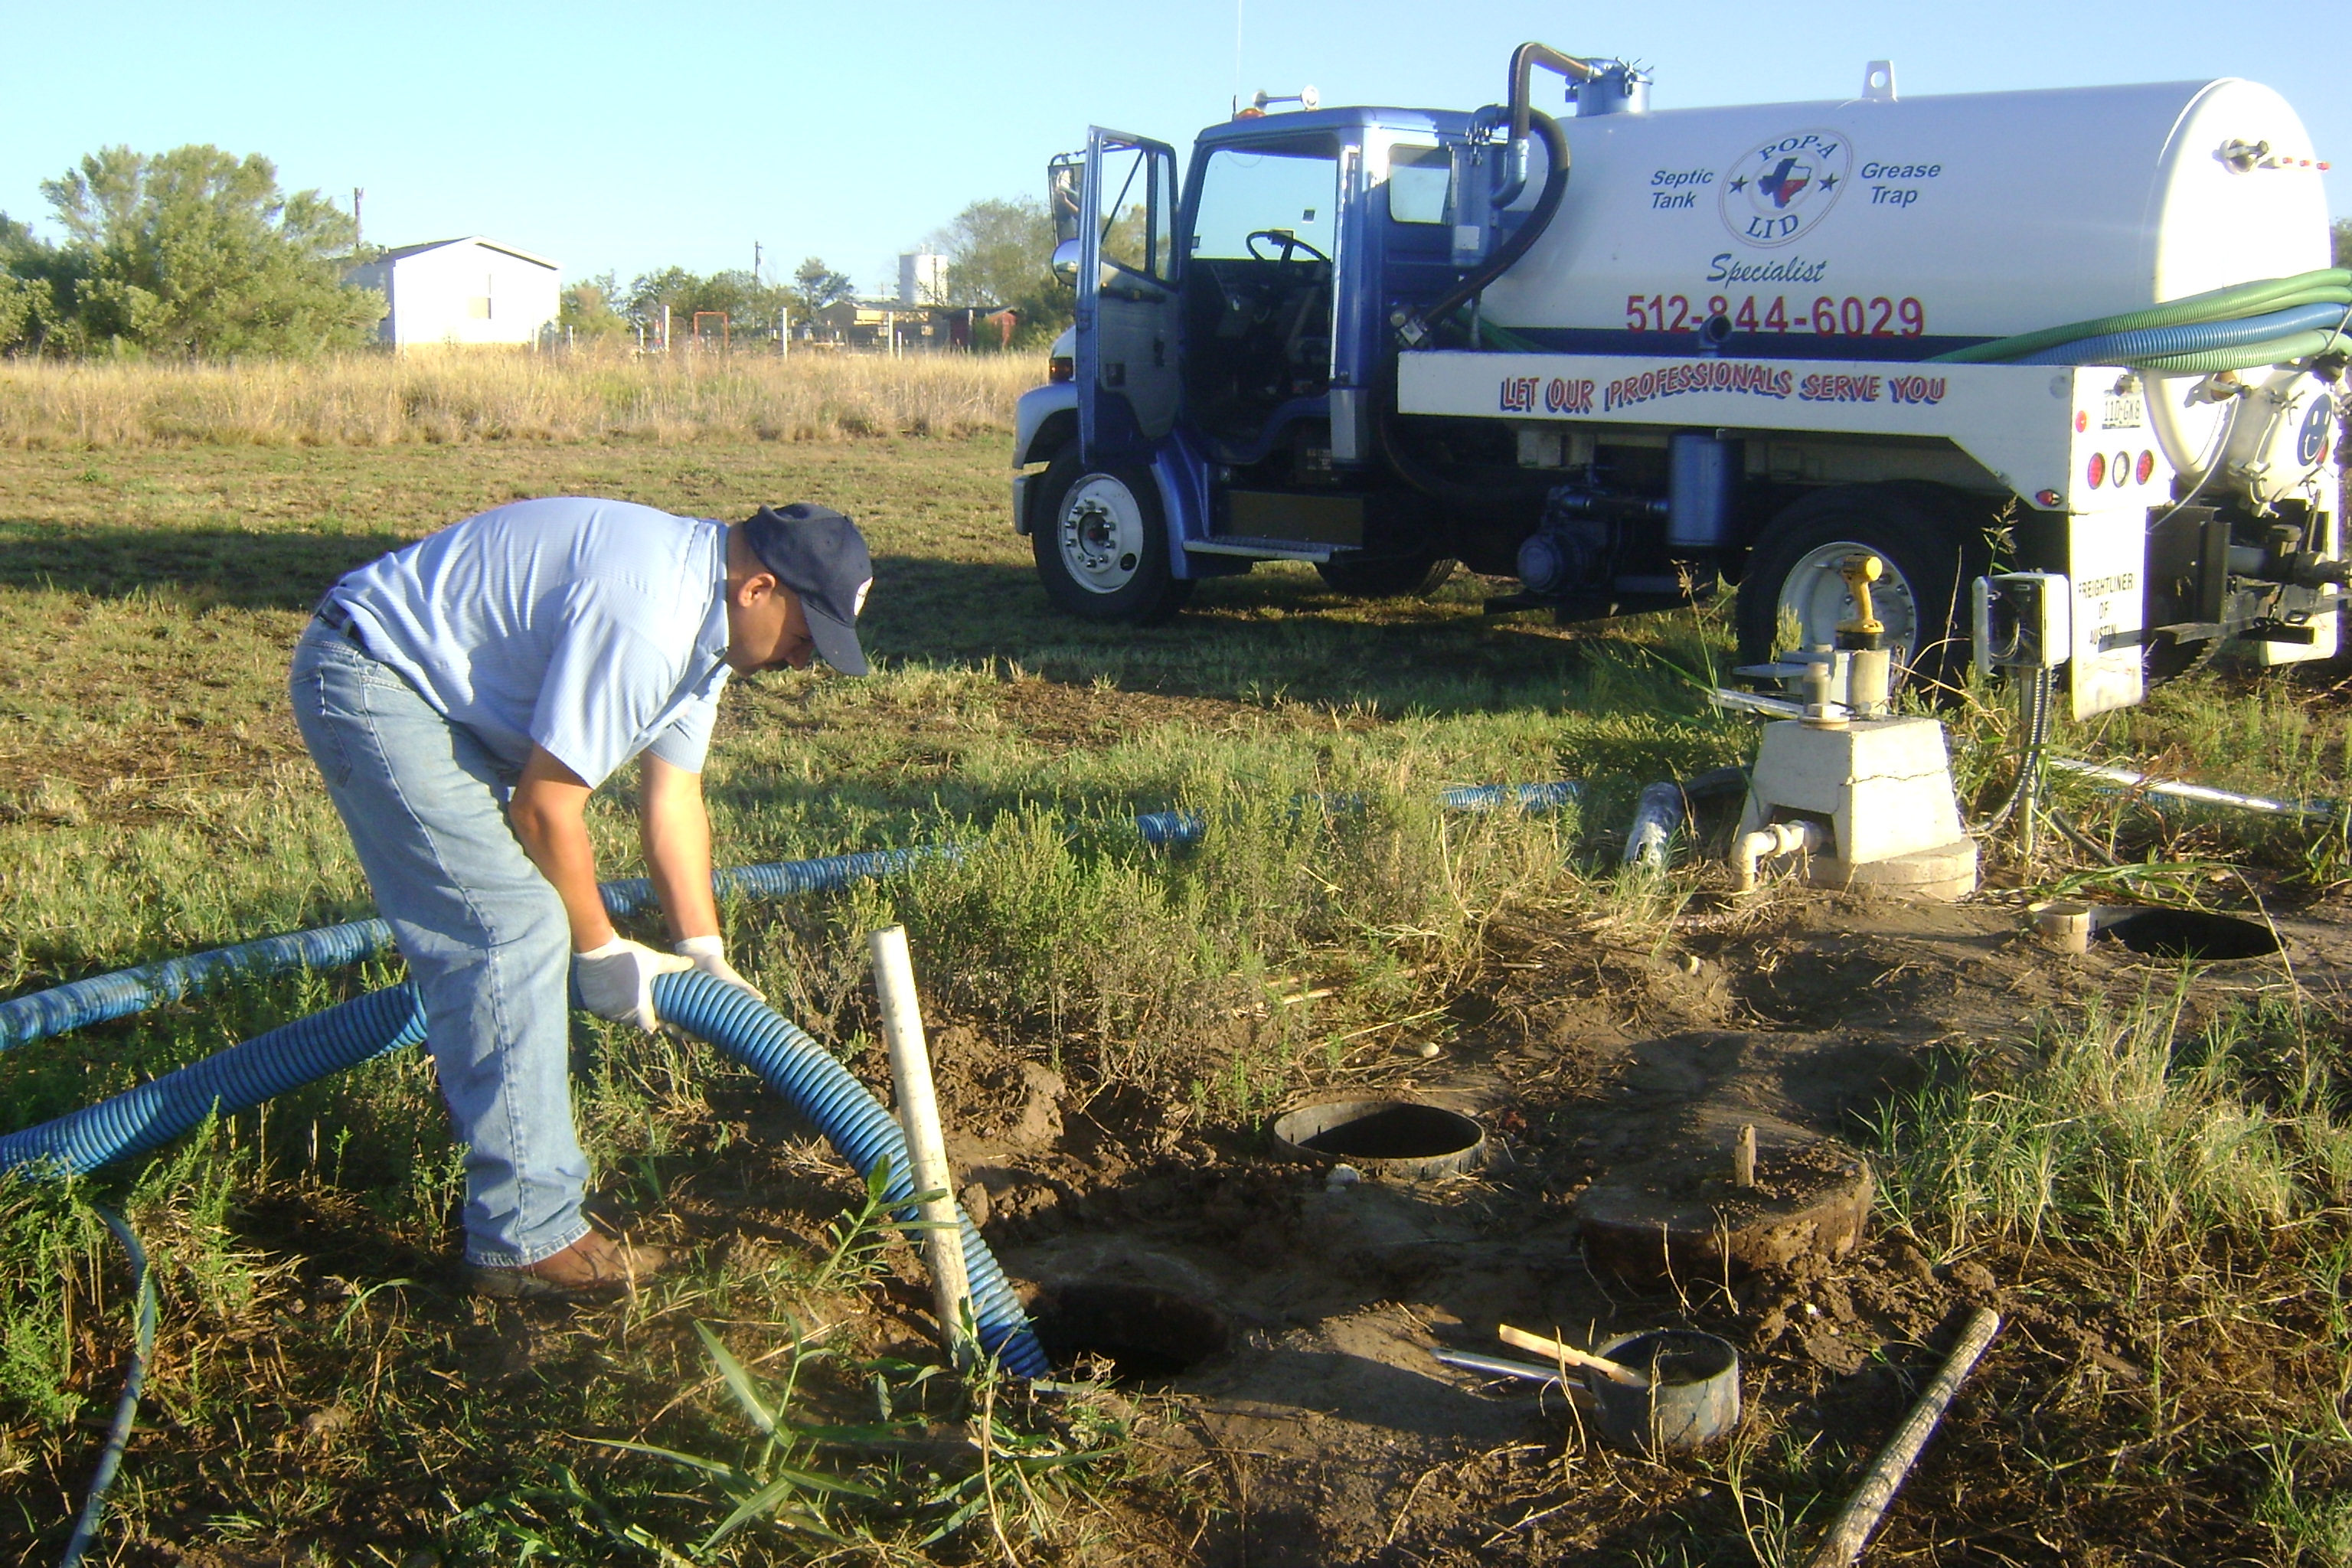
(1237, 57)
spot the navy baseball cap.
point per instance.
(820, 555)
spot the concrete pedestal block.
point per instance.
(1946, 872)
(1884, 789)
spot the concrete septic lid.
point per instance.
(1409, 1139)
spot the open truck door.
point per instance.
(1117, 212)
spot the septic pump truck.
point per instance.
(1631, 352)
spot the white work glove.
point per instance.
(616, 980)
(709, 955)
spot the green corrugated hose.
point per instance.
(2327, 286)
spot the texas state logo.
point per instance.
(1778, 190)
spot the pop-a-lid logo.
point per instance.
(1778, 190)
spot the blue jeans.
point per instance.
(484, 934)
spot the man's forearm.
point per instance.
(675, 829)
(549, 813)
(562, 850)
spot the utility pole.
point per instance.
(358, 195)
(755, 264)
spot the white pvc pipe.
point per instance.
(918, 1115)
(2205, 794)
(1770, 843)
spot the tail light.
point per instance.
(1061, 369)
(2096, 472)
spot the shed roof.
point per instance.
(404, 252)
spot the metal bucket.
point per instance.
(1692, 1400)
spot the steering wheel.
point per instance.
(1285, 238)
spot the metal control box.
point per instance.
(2024, 620)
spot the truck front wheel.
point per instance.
(1101, 542)
(1930, 542)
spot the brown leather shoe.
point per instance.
(591, 1266)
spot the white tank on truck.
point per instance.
(1948, 219)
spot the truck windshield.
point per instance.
(1293, 187)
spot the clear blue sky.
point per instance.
(634, 136)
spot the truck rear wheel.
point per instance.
(1396, 577)
(1101, 543)
(1931, 542)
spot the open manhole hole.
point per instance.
(1392, 1137)
(2190, 934)
(1147, 1334)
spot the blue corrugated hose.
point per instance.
(238, 1079)
(126, 1409)
(824, 1090)
(99, 998)
(1162, 828)
(352, 1032)
(78, 1003)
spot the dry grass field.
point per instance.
(2145, 1165)
(379, 400)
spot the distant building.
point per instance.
(923, 279)
(471, 290)
(887, 326)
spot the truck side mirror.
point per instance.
(1065, 262)
(1065, 182)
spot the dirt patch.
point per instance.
(1333, 1436)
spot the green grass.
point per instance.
(154, 799)
(321, 1395)
(2189, 1176)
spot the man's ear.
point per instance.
(754, 590)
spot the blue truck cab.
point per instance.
(1230, 364)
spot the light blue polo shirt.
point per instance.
(594, 628)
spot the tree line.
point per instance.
(998, 256)
(193, 252)
(198, 253)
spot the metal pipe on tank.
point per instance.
(1524, 61)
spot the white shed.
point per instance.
(471, 290)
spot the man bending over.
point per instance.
(462, 698)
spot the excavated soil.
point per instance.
(1281, 1320)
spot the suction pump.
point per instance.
(1599, 542)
